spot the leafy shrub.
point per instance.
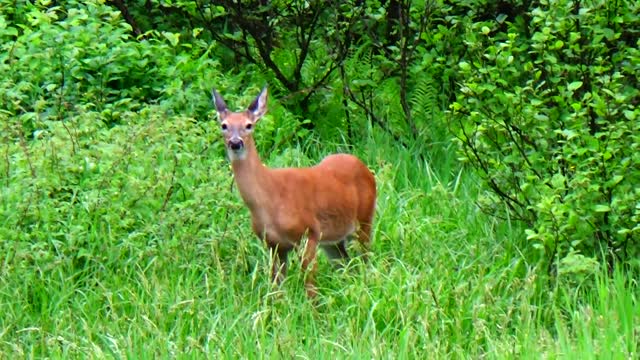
(64, 55)
(58, 59)
(551, 121)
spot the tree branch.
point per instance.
(122, 7)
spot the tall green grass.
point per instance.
(131, 242)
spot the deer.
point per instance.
(328, 204)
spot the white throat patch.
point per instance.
(237, 154)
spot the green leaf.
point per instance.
(602, 208)
(558, 181)
(575, 85)
(464, 66)
(568, 133)
(173, 38)
(630, 115)
(614, 181)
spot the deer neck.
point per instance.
(251, 176)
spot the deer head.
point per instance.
(237, 127)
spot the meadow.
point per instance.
(122, 234)
(139, 247)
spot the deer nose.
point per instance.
(235, 144)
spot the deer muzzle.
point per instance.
(235, 144)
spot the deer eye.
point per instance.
(248, 126)
(224, 127)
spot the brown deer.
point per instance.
(327, 203)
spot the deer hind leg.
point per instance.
(364, 238)
(337, 253)
(366, 212)
(309, 264)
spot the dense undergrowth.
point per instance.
(122, 235)
(137, 245)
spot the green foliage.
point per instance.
(137, 245)
(121, 234)
(551, 122)
(399, 82)
(64, 56)
(80, 57)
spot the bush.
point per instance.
(551, 122)
(80, 56)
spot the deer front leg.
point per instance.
(278, 263)
(309, 264)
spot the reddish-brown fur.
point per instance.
(327, 203)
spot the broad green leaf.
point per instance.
(630, 115)
(174, 38)
(614, 181)
(574, 85)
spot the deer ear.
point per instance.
(259, 106)
(221, 106)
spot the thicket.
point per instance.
(541, 96)
(547, 111)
